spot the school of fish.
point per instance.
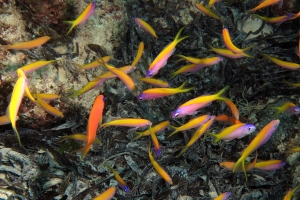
(235, 129)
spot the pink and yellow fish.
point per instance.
(96, 63)
(107, 195)
(36, 65)
(147, 27)
(263, 4)
(164, 55)
(26, 45)
(207, 11)
(281, 63)
(49, 109)
(230, 165)
(128, 122)
(155, 142)
(202, 61)
(275, 20)
(15, 101)
(156, 93)
(155, 82)
(157, 128)
(85, 15)
(223, 196)
(159, 169)
(228, 43)
(198, 133)
(288, 107)
(233, 132)
(212, 2)
(191, 106)
(193, 123)
(138, 54)
(261, 138)
(225, 52)
(270, 165)
(187, 69)
(121, 182)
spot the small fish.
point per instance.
(234, 132)
(138, 54)
(156, 93)
(159, 169)
(128, 122)
(228, 43)
(96, 63)
(297, 149)
(26, 45)
(99, 81)
(202, 61)
(36, 65)
(121, 182)
(85, 15)
(95, 118)
(155, 82)
(292, 84)
(49, 109)
(15, 101)
(192, 105)
(48, 97)
(79, 137)
(227, 119)
(107, 195)
(193, 123)
(122, 76)
(223, 196)
(187, 68)
(233, 109)
(157, 128)
(207, 11)
(281, 63)
(248, 166)
(261, 138)
(275, 20)
(164, 55)
(226, 52)
(270, 165)
(155, 142)
(198, 133)
(212, 2)
(291, 193)
(263, 4)
(144, 25)
(288, 107)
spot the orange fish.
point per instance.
(94, 119)
(264, 4)
(107, 195)
(27, 45)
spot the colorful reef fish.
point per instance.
(27, 45)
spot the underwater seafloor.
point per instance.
(43, 168)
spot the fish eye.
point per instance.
(126, 189)
(296, 110)
(176, 114)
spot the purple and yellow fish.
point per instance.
(157, 128)
(207, 11)
(121, 182)
(128, 122)
(156, 93)
(155, 143)
(223, 196)
(270, 165)
(261, 138)
(36, 65)
(155, 82)
(107, 195)
(233, 132)
(291, 193)
(288, 107)
(163, 56)
(147, 27)
(85, 15)
(281, 63)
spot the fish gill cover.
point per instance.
(228, 44)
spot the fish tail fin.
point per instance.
(216, 138)
(278, 109)
(178, 38)
(247, 49)
(16, 132)
(73, 93)
(238, 164)
(288, 83)
(219, 94)
(175, 130)
(182, 89)
(174, 74)
(140, 134)
(182, 151)
(72, 26)
(83, 151)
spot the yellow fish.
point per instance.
(26, 45)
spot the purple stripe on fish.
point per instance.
(188, 110)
